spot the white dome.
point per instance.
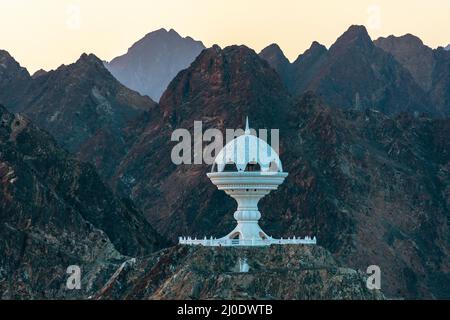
(248, 149)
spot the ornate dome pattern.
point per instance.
(245, 150)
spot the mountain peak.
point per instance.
(241, 50)
(8, 65)
(277, 60)
(87, 64)
(216, 48)
(172, 31)
(413, 54)
(79, 101)
(39, 73)
(153, 61)
(316, 44)
(355, 36)
(89, 58)
(447, 47)
(357, 29)
(315, 50)
(273, 53)
(273, 47)
(5, 54)
(234, 55)
(157, 32)
(13, 78)
(412, 38)
(409, 41)
(316, 47)
(223, 75)
(161, 34)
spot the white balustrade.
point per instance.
(241, 242)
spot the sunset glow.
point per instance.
(47, 33)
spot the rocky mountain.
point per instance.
(371, 187)
(384, 183)
(281, 273)
(306, 67)
(354, 73)
(55, 212)
(152, 62)
(277, 60)
(410, 51)
(83, 106)
(39, 73)
(447, 47)
(13, 78)
(220, 88)
(430, 68)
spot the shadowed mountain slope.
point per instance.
(152, 62)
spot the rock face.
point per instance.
(220, 88)
(306, 67)
(382, 181)
(13, 78)
(372, 188)
(282, 273)
(277, 60)
(39, 73)
(84, 107)
(447, 47)
(354, 73)
(430, 68)
(357, 74)
(56, 212)
(410, 51)
(152, 62)
(10, 70)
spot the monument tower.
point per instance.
(247, 169)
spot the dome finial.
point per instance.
(247, 127)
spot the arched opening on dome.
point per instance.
(253, 167)
(236, 235)
(273, 166)
(230, 167)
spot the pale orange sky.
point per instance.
(48, 33)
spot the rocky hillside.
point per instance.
(356, 74)
(220, 88)
(56, 212)
(13, 78)
(288, 272)
(277, 60)
(372, 188)
(384, 183)
(430, 68)
(306, 67)
(83, 106)
(410, 51)
(152, 62)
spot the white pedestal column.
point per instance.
(247, 214)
